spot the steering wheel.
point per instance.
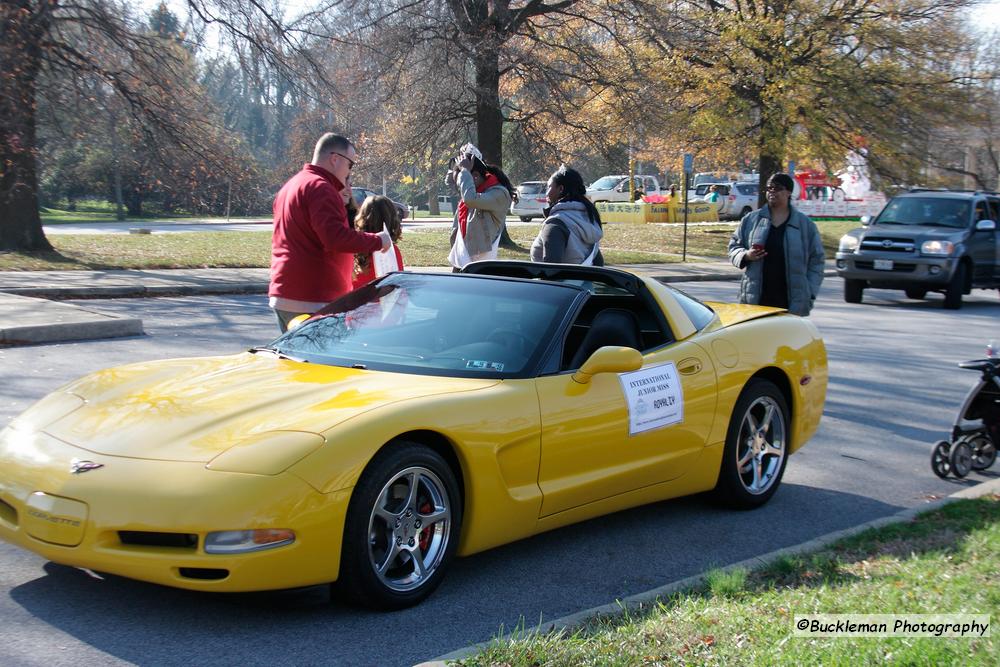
(510, 339)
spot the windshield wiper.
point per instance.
(278, 353)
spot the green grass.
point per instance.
(944, 562)
(622, 244)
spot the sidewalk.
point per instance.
(30, 312)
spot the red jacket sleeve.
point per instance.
(328, 218)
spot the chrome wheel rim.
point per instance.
(409, 528)
(762, 445)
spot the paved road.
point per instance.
(893, 391)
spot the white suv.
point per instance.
(531, 200)
(735, 199)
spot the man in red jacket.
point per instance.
(313, 246)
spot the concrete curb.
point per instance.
(22, 325)
(135, 291)
(634, 602)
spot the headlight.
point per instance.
(848, 243)
(243, 541)
(937, 248)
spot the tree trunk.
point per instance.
(489, 120)
(22, 27)
(771, 143)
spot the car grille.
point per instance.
(888, 244)
(151, 539)
(897, 267)
(204, 573)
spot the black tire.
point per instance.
(917, 293)
(761, 448)
(525, 218)
(853, 290)
(961, 459)
(743, 213)
(385, 492)
(941, 459)
(984, 452)
(953, 295)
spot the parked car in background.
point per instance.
(530, 201)
(922, 241)
(615, 188)
(735, 199)
(360, 194)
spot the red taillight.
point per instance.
(732, 197)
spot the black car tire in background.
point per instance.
(953, 295)
(854, 290)
(917, 293)
(406, 506)
(758, 434)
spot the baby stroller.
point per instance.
(976, 433)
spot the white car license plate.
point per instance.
(883, 264)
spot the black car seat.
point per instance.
(612, 326)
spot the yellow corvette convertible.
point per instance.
(420, 417)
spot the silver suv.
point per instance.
(735, 199)
(925, 240)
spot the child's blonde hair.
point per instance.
(375, 211)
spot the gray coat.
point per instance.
(487, 214)
(804, 259)
(583, 233)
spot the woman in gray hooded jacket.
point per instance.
(780, 252)
(572, 231)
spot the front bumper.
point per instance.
(91, 520)
(907, 270)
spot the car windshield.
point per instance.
(531, 188)
(605, 183)
(925, 211)
(460, 326)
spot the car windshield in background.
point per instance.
(531, 188)
(434, 325)
(605, 183)
(925, 211)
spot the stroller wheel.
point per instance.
(984, 453)
(961, 458)
(940, 461)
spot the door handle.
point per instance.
(689, 366)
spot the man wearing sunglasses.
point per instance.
(313, 245)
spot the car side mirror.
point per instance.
(986, 226)
(866, 220)
(609, 359)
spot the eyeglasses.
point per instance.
(774, 188)
(350, 162)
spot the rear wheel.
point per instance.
(953, 295)
(916, 293)
(756, 447)
(984, 453)
(743, 213)
(853, 290)
(402, 528)
(525, 218)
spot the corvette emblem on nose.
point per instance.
(77, 466)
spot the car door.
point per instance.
(982, 246)
(995, 217)
(590, 450)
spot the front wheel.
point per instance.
(756, 451)
(915, 293)
(941, 459)
(525, 218)
(853, 290)
(953, 295)
(402, 528)
(961, 459)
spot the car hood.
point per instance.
(194, 409)
(913, 231)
